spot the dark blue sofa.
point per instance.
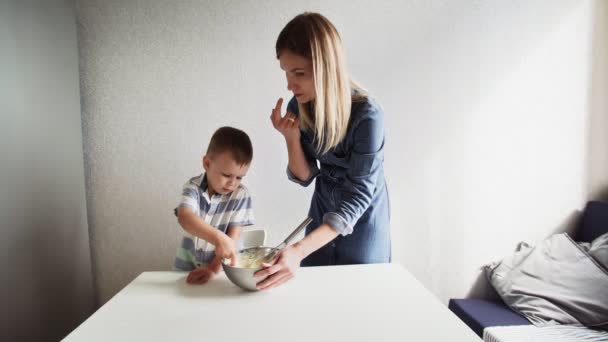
(479, 314)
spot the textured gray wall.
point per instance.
(488, 118)
(47, 287)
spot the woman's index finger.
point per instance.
(277, 108)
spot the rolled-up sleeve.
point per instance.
(312, 164)
(304, 183)
(365, 165)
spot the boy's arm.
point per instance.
(234, 233)
(193, 224)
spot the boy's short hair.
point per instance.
(233, 140)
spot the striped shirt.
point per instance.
(220, 211)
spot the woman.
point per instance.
(333, 120)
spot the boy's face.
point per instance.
(223, 173)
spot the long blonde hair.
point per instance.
(312, 36)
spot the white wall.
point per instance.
(47, 286)
(489, 112)
(597, 139)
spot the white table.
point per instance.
(380, 302)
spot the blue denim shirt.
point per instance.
(350, 190)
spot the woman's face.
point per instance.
(298, 70)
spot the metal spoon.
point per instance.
(263, 257)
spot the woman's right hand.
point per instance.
(281, 268)
(288, 124)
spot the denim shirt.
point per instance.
(350, 176)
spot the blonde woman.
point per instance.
(331, 120)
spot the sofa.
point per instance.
(479, 314)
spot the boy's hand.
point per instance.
(225, 248)
(200, 275)
(288, 125)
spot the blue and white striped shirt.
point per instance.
(220, 211)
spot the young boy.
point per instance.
(215, 206)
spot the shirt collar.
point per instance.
(201, 181)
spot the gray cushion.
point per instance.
(554, 282)
(599, 250)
